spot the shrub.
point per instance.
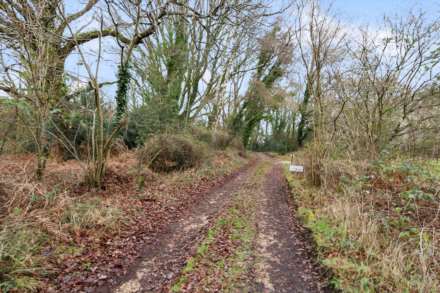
(167, 153)
(118, 147)
(201, 133)
(220, 139)
(72, 130)
(150, 119)
(237, 143)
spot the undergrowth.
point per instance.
(44, 223)
(376, 224)
(28, 240)
(20, 257)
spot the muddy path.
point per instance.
(162, 259)
(284, 261)
(242, 238)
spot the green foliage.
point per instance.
(371, 230)
(323, 230)
(163, 73)
(121, 92)
(149, 120)
(416, 194)
(72, 131)
(282, 138)
(71, 126)
(15, 138)
(260, 99)
(303, 126)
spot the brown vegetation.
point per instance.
(52, 227)
(85, 165)
(376, 224)
(166, 153)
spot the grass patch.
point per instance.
(21, 262)
(91, 214)
(25, 237)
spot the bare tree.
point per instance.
(101, 139)
(33, 34)
(320, 38)
(388, 81)
(36, 37)
(215, 46)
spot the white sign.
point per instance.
(296, 168)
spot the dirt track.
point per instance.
(277, 258)
(284, 263)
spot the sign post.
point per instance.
(295, 168)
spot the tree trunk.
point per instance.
(43, 148)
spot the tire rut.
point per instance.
(165, 257)
(283, 262)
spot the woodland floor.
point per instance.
(227, 226)
(243, 237)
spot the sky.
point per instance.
(352, 13)
(361, 12)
